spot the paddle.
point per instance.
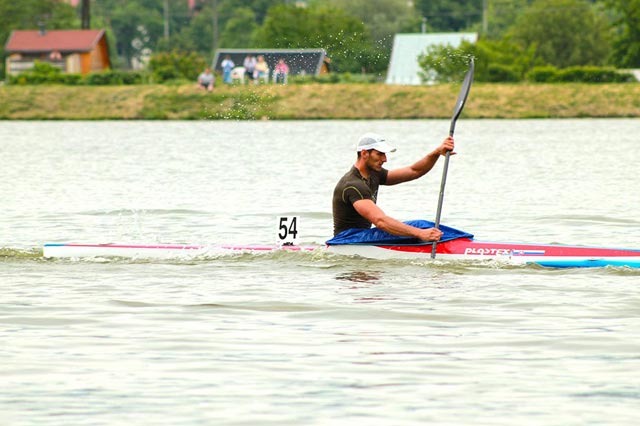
(462, 98)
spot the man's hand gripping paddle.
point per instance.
(462, 98)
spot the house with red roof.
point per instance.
(73, 51)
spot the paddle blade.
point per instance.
(462, 96)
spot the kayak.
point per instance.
(459, 249)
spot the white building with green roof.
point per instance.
(403, 66)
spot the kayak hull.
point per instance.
(463, 249)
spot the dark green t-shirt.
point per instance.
(351, 188)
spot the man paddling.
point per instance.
(354, 197)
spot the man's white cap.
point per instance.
(374, 141)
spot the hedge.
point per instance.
(578, 74)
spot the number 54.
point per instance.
(287, 230)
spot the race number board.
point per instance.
(287, 230)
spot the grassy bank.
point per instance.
(317, 101)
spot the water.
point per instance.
(308, 338)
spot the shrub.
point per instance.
(102, 78)
(45, 73)
(71, 79)
(544, 74)
(327, 78)
(502, 73)
(578, 74)
(133, 77)
(162, 73)
(111, 78)
(45, 69)
(176, 65)
(41, 73)
(358, 78)
(588, 74)
(334, 78)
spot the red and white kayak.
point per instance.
(461, 249)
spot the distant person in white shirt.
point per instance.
(227, 65)
(249, 65)
(206, 80)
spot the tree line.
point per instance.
(357, 34)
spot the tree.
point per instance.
(341, 35)
(260, 8)
(136, 29)
(626, 42)
(239, 30)
(382, 18)
(564, 32)
(448, 15)
(237, 22)
(494, 61)
(501, 16)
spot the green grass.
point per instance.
(317, 101)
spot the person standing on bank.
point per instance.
(227, 65)
(249, 66)
(355, 195)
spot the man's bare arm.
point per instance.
(374, 214)
(420, 167)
